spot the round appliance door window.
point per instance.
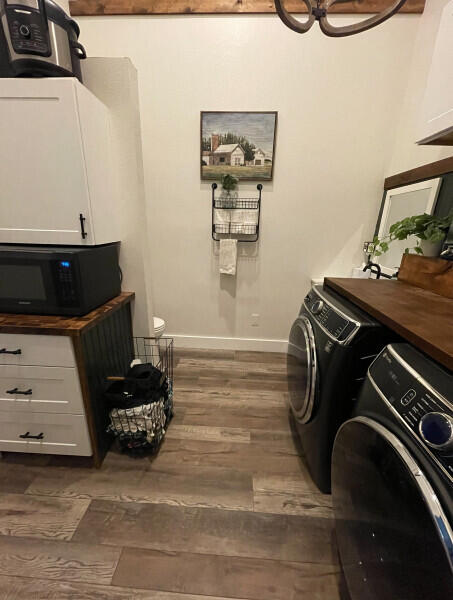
(301, 369)
(394, 538)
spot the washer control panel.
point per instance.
(335, 324)
(427, 414)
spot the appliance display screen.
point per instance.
(23, 282)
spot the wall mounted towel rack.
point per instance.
(240, 230)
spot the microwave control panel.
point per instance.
(66, 289)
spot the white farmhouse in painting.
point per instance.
(223, 154)
(259, 157)
(229, 154)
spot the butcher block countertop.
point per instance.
(59, 325)
(422, 318)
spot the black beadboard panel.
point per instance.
(108, 349)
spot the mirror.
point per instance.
(399, 203)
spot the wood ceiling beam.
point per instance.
(177, 7)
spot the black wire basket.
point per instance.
(140, 403)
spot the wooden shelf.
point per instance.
(422, 318)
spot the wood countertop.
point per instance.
(59, 325)
(422, 318)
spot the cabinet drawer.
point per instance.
(41, 389)
(46, 350)
(60, 434)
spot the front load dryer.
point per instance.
(331, 345)
(392, 481)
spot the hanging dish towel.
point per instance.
(228, 256)
(222, 220)
(244, 221)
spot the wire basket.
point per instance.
(141, 403)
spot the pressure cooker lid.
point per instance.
(57, 14)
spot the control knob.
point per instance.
(436, 430)
(317, 307)
(24, 31)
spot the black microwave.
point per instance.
(57, 280)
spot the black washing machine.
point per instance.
(331, 345)
(392, 481)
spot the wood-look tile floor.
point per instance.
(226, 510)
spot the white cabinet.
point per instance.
(55, 165)
(40, 389)
(44, 433)
(41, 403)
(45, 350)
(437, 113)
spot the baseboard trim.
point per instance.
(228, 343)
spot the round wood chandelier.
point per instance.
(318, 11)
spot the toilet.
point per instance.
(159, 327)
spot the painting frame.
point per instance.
(206, 176)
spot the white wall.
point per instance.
(406, 154)
(339, 102)
(114, 82)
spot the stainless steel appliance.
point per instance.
(57, 280)
(38, 39)
(392, 481)
(331, 344)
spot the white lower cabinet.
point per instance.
(41, 402)
(45, 350)
(44, 433)
(40, 389)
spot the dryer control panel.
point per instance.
(334, 323)
(423, 408)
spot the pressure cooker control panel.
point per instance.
(328, 318)
(427, 414)
(28, 30)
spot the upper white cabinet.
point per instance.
(57, 183)
(437, 115)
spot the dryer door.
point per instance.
(302, 369)
(394, 538)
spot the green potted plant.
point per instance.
(229, 184)
(429, 230)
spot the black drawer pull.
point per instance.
(28, 392)
(5, 351)
(82, 220)
(27, 436)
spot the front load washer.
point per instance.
(331, 345)
(392, 481)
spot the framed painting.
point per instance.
(238, 143)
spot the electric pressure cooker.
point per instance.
(38, 39)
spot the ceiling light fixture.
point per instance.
(318, 11)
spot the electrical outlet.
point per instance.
(255, 319)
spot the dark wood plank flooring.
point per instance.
(226, 510)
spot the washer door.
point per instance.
(394, 539)
(302, 369)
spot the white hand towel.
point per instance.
(222, 219)
(228, 256)
(244, 221)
